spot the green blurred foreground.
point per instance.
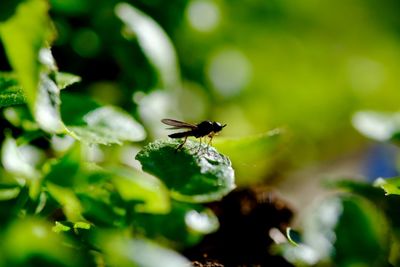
(84, 84)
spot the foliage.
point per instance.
(85, 179)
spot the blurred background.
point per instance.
(304, 67)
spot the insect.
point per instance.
(203, 129)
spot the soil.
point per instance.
(246, 217)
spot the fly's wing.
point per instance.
(178, 124)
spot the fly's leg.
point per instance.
(199, 148)
(181, 145)
(211, 135)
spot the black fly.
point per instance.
(205, 128)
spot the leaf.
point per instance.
(251, 156)
(10, 92)
(64, 79)
(190, 174)
(343, 229)
(390, 185)
(7, 8)
(71, 205)
(149, 193)
(64, 171)
(154, 42)
(31, 242)
(19, 116)
(108, 125)
(126, 252)
(377, 125)
(47, 108)
(16, 161)
(75, 106)
(12, 96)
(23, 35)
(184, 225)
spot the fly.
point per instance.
(203, 129)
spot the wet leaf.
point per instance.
(193, 174)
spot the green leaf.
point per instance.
(293, 236)
(16, 161)
(154, 42)
(184, 225)
(251, 156)
(23, 35)
(69, 202)
(7, 8)
(344, 230)
(192, 174)
(64, 79)
(12, 96)
(10, 92)
(47, 108)
(390, 185)
(108, 125)
(123, 251)
(31, 242)
(64, 171)
(149, 193)
(75, 106)
(19, 116)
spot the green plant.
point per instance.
(62, 207)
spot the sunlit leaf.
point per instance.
(19, 116)
(251, 156)
(194, 174)
(108, 125)
(390, 185)
(11, 93)
(184, 225)
(68, 200)
(17, 162)
(59, 227)
(47, 108)
(377, 125)
(150, 194)
(154, 42)
(127, 252)
(23, 35)
(64, 79)
(32, 241)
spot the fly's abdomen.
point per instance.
(179, 135)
